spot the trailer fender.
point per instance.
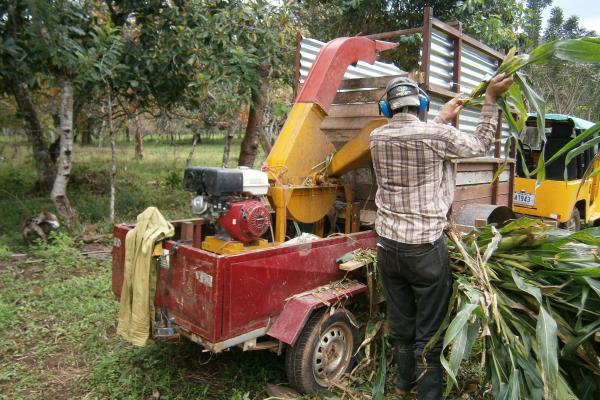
(297, 310)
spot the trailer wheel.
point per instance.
(323, 352)
(574, 223)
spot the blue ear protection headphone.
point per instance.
(384, 105)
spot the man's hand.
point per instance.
(497, 86)
(450, 110)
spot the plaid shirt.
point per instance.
(415, 176)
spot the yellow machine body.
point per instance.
(218, 246)
(303, 165)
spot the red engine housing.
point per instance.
(246, 220)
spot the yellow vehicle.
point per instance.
(568, 202)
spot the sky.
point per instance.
(588, 12)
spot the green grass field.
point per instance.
(154, 181)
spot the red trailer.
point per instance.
(261, 299)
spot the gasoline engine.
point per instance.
(231, 200)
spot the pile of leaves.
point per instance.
(526, 302)
(531, 294)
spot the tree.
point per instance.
(51, 44)
(18, 77)
(493, 22)
(568, 88)
(533, 21)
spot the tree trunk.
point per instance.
(139, 146)
(188, 160)
(86, 133)
(227, 149)
(264, 140)
(254, 126)
(63, 164)
(33, 128)
(113, 153)
(127, 131)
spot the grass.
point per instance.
(57, 340)
(154, 181)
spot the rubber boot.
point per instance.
(429, 382)
(405, 362)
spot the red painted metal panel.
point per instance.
(289, 323)
(257, 284)
(118, 258)
(222, 296)
(332, 62)
(191, 291)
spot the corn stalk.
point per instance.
(532, 294)
(512, 103)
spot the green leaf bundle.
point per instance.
(532, 295)
(512, 103)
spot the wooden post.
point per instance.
(348, 196)
(456, 67)
(297, 64)
(187, 231)
(497, 146)
(426, 53)
(355, 218)
(197, 235)
(320, 227)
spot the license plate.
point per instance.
(524, 198)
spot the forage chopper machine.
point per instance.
(300, 177)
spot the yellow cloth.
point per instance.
(140, 275)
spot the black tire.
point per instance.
(309, 363)
(574, 223)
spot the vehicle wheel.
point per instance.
(323, 352)
(574, 223)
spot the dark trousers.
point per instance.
(418, 284)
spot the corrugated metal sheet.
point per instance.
(475, 67)
(442, 60)
(309, 48)
(468, 119)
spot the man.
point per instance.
(415, 191)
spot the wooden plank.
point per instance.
(379, 82)
(482, 160)
(478, 191)
(358, 96)
(502, 201)
(345, 123)
(353, 110)
(394, 34)
(466, 38)
(340, 135)
(473, 167)
(480, 177)
(355, 217)
(351, 265)
(440, 91)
